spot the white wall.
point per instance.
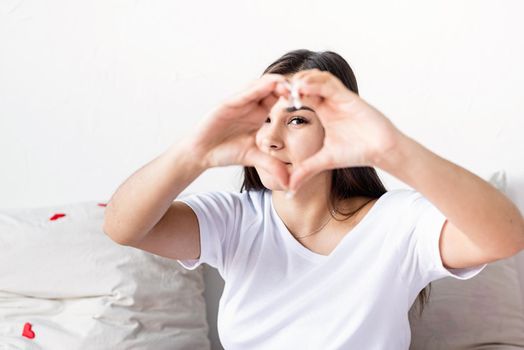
(90, 91)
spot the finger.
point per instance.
(324, 84)
(269, 101)
(308, 168)
(270, 164)
(260, 89)
(304, 73)
(282, 89)
(320, 84)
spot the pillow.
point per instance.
(485, 312)
(64, 284)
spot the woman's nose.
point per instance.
(272, 143)
(271, 138)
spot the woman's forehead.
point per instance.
(284, 107)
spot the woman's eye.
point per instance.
(302, 120)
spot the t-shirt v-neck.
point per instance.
(308, 253)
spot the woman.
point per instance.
(339, 263)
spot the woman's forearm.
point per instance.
(141, 201)
(473, 205)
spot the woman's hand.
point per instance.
(356, 133)
(227, 134)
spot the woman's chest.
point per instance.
(325, 241)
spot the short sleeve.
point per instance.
(217, 213)
(423, 262)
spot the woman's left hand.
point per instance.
(356, 134)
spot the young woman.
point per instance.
(338, 264)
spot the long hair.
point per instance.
(346, 182)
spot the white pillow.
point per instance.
(80, 290)
(485, 312)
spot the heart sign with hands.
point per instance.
(355, 133)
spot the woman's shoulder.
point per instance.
(217, 194)
(403, 200)
(224, 199)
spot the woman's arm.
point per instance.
(143, 199)
(483, 224)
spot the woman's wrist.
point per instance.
(391, 153)
(186, 153)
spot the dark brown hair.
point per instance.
(345, 182)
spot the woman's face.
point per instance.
(290, 135)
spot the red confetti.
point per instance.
(57, 216)
(102, 204)
(28, 332)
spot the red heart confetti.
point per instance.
(57, 216)
(28, 332)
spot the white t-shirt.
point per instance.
(278, 294)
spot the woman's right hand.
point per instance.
(227, 135)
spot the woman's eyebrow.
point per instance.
(293, 109)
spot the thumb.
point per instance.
(270, 164)
(308, 168)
